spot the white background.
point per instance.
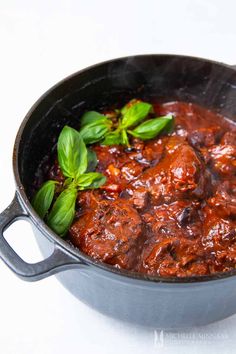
(40, 43)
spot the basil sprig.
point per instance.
(94, 127)
(76, 163)
(97, 127)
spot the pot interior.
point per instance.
(151, 77)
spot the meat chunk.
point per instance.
(185, 172)
(131, 170)
(223, 159)
(179, 174)
(119, 166)
(173, 143)
(172, 245)
(140, 197)
(107, 155)
(153, 151)
(108, 230)
(204, 137)
(224, 199)
(173, 257)
(172, 219)
(219, 240)
(229, 138)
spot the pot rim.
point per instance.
(53, 237)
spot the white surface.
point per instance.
(41, 42)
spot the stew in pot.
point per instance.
(158, 198)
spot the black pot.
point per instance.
(146, 300)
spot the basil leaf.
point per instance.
(63, 211)
(72, 152)
(92, 160)
(112, 138)
(136, 113)
(90, 180)
(43, 198)
(124, 137)
(151, 128)
(92, 117)
(93, 132)
(128, 105)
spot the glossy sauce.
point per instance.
(169, 204)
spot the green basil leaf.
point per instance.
(63, 211)
(124, 137)
(92, 117)
(92, 160)
(128, 105)
(136, 113)
(43, 198)
(112, 138)
(93, 132)
(72, 152)
(151, 128)
(90, 180)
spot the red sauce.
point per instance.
(169, 204)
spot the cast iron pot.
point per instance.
(150, 301)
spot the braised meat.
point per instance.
(107, 230)
(168, 206)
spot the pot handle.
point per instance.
(58, 261)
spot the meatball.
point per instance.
(108, 230)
